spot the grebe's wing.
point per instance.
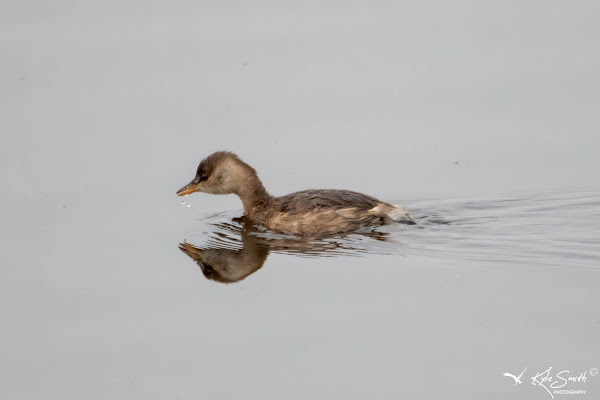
(308, 200)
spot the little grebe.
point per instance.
(307, 213)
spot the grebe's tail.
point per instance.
(396, 213)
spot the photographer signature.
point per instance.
(547, 380)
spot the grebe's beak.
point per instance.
(188, 189)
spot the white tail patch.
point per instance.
(396, 212)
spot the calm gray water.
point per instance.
(481, 119)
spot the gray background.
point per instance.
(107, 108)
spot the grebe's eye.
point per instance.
(203, 178)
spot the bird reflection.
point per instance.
(238, 248)
(226, 265)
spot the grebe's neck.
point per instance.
(253, 194)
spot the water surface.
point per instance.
(481, 118)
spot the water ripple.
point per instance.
(557, 228)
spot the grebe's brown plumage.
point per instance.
(308, 213)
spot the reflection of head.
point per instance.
(226, 265)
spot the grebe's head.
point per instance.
(220, 173)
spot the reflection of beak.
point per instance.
(188, 189)
(190, 250)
